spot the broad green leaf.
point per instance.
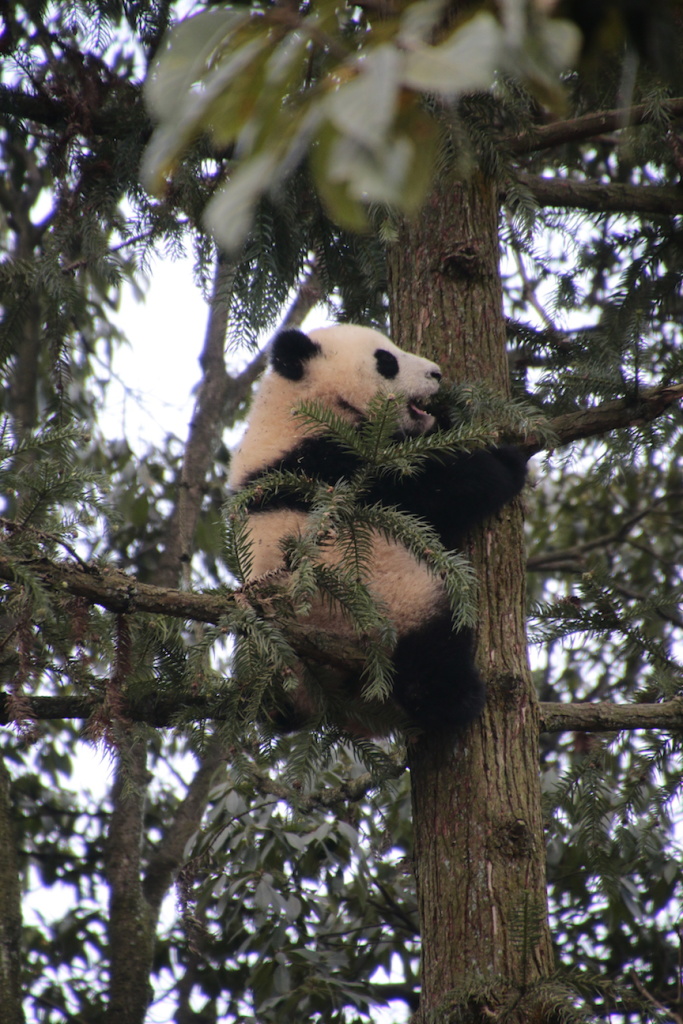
(418, 22)
(376, 177)
(212, 103)
(232, 93)
(364, 107)
(464, 62)
(161, 155)
(229, 213)
(417, 125)
(554, 47)
(344, 208)
(184, 58)
(280, 109)
(560, 41)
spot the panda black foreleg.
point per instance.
(436, 681)
(457, 493)
(473, 487)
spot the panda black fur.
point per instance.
(436, 686)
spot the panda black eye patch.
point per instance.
(290, 352)
(387, 363)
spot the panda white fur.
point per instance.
(436, 685)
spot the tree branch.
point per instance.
(349, 790)
(588, 126)
(42, 109)
(602, 198)
(205, 430)
(117, 592)
(606, 717)
(308, 295)
(574, 556)
(554, 717)
(218, 400)
(169, 855)
(644, 407)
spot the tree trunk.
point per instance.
(479, 848)
(131, 927)
(10, 908)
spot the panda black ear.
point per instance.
(290, 352)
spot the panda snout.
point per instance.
(436, 374)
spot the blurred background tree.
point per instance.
(229, 875)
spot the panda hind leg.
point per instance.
(436, 682)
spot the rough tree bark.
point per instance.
(479, 850)
(10, 907)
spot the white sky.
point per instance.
(160, 365)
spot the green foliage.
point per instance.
(347, 88)
(295, 886)
(305, 897)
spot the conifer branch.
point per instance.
(608, 717)
(588, 126)
(644, 407)
(572, 559)
(554, 717)
(117, 592)
(602, 198)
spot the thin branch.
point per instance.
(635, 595)
(42, 109)
(349, 790)
(220, 396)
(308, 295)
(169, 856)
(529, 295)
(589, 125)
(665, 1010)
(575, 554)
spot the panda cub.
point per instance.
(436, 685)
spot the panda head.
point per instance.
(346, 366)
(343, 367)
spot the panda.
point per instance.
(436, 685)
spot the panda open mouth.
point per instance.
(416, 412)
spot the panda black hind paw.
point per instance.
(452, 713)
(437, 683)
